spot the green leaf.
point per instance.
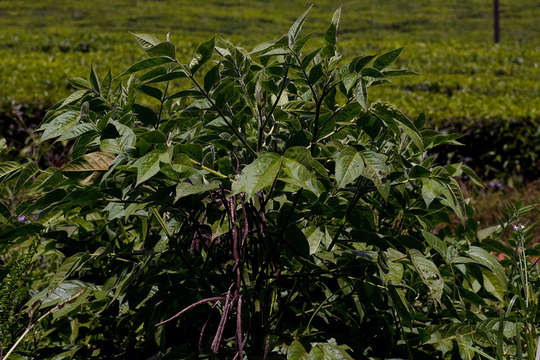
(449, 192)
(147, 166)
(296, 28)
(360, 94)
(349, 166)
(309, 57)
(299, 175)
(263, 47)
(331, 34)
(429, 273)
(303, 156)
(109, 132)
(184, 189)
(371, 73)
(394, 274)
(68, 266)
(358, 63)
(472, 175)
(330, 351)
(495, 280)
(146, 41)
(258, 175)
(431, 189)
(437, 244)
(400, 304)
(94, 80)
(9, 167)
(211, 78)
(296, 351)
(301, 42)
(65, 310)
(386, 59)
(493, 284)
(454, 198)
(165, 48)
(391, 115)
(202, 55)
(74, 97)
(314, 236)
(154, 137)
(150, 74)
(375, 169)
(148, 63)
(296, 241)
(21, 232)
(315, 74)
(106, 85)
(120, 144)
(151, 91)
(418, 172)
(485, 233)
(316, 353)
(96, 161)
(173, 75)
(59, 125)
(79, 83)
(145, 115)
(183, 93)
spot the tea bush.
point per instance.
(265, 206)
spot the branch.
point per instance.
(31, 326)
(203, 301)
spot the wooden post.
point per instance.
(496, 28)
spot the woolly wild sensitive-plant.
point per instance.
(253, 204)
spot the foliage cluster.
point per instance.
(254, 204)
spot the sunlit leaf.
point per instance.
(429, 273)
(386, 59)
(258, 175)
(96, 161)
(349, 166)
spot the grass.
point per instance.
(463, 76)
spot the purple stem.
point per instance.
(215, 298)
(221, 326)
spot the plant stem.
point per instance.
(31, 326)
(208, 169)
(161, 106)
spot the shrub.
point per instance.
(270, 202)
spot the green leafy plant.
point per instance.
(268, 202)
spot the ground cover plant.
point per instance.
(258, 204)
